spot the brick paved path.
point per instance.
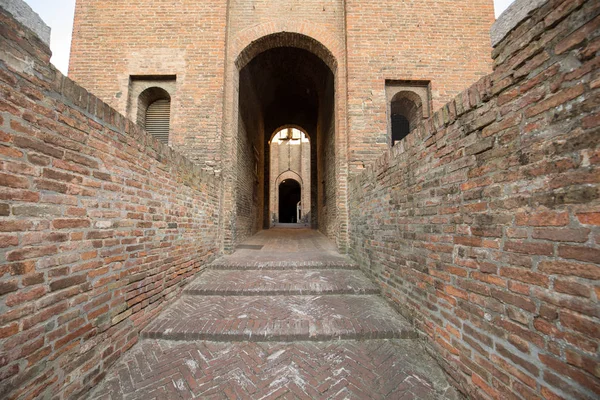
(286, 316)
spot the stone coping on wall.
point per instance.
(511, 17)
(23, 13)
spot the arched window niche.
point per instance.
(154, 112)
(408, 104)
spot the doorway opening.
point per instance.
(286, 115)
(290, 194)
(284, 80)
(290, 158)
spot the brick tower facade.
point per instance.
(237, 71)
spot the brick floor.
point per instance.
(284, 317)
(269, 282)
(374, 369)
(279, 318)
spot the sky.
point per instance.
(58, 14)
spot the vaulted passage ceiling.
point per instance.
(290, 83)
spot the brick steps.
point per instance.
(263, 292)
(274, 282)
(278, 265)
(293, 329)
(369, 369)
(279, 318)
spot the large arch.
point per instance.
(321, 41)
(243, 49)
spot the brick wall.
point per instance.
(483, 226)
(113, 40)
(249, 189)
(100, 226)
(446, 42)
(442, 41)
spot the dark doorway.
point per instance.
(400, 128)
(289, 196)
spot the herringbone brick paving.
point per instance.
(374, 369)
(272, 323)
(279, 317)
(286, 249)
(269, 282)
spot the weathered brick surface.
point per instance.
(284, 248)
(252, 344)
(270, 282)
(375, 369)
(279, 318)
(445, 42)
(482, 227)
(207, 44)
(101, 226)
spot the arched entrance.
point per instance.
(289, 196)
(290, 158)
(284, 79)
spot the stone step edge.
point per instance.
(279, 292)
(288, 333)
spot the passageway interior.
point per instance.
(281, 87)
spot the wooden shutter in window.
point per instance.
(157, 119)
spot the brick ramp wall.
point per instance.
(483, 225)
(100, 226)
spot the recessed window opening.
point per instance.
(405, 113)
(157, 119)
(400, 127)
(154, 112)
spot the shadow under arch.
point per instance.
(289, 175)
(286, 39)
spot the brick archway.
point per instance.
(243, 48)
(317, 40)
(283, 177)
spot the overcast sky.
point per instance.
(58, 14)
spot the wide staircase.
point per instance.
(285, 316)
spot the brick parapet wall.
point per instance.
(23, 13)
(483, 224)
(100, 226)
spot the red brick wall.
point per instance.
(100, 226)
(115, 39)
(484, 228)
(446, 42)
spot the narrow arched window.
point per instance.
(154, 112)
(405, 113)
(158, 116)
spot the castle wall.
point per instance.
(389, 40)
(100, 226)
(114, 40)
(483, 226)
(442, 42)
